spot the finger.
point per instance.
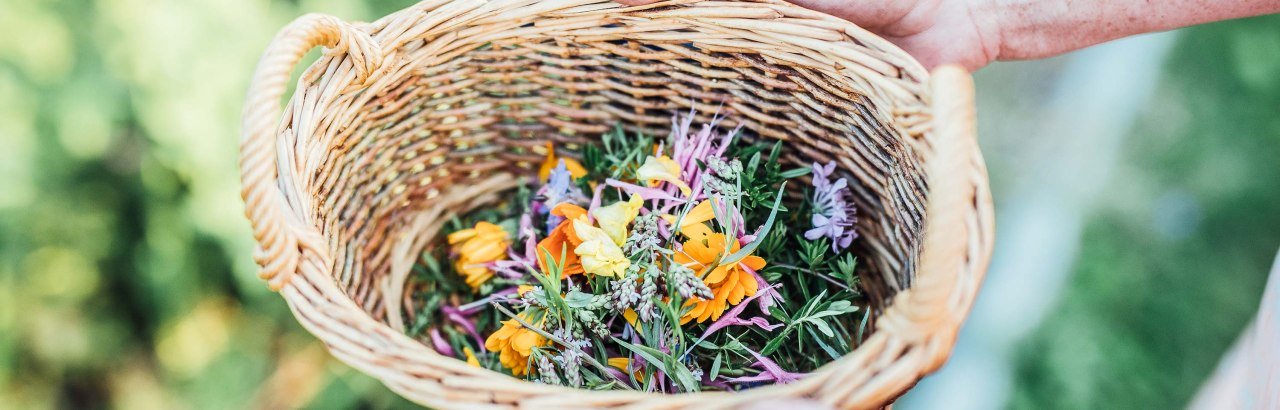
(871, 15)
(933, 52)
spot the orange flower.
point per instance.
(476, 247)
(729, 281)
(576, 170)
(562, 235)
(514, 343)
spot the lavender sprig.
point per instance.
(558, 189)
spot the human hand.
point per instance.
(935, 32)
(973, 33)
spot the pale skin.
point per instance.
(974, 33)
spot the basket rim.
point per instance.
(290, 247)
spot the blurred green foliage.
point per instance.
(1172, 268)
(125, 271)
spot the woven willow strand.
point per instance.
(444, 106)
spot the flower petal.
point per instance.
(717, 275)
(525, 341)
(576, 170)
(471, 357)
(613, 219)
(661, 169)
(460, 236)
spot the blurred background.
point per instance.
(1137, 186)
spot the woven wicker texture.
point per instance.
(445, 106)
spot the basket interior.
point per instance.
(456, 126)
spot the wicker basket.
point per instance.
(440, 108)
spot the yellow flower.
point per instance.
(661, 168)
(576, 170)
(600, 256)
(514, 343)
(613, 219)
(728, 280)
(632, 318)
(696, 216)
(476, 247)
(471, 356)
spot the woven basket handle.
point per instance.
(275, 230)
(951, 194)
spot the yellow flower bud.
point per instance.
(662, 168)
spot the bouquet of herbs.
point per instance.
(670, 265)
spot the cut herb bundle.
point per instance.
(670, 266)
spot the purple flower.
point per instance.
(558, 189)
(833, 215)
(731, 318)
(440, 344)
(646, 193)
(687, 148)
(771, 372)
(771, 295)
(518, 264)
(463, 319)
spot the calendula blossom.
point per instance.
(613, 219)
(514, 343)
(728, 280)
(476, 248)
(561, 242)
(662, 169)
(599, 254)
(700, 213)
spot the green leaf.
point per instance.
(651, 355)
(825, 347)
(776, 342)
(843, 306)
(764, 232)
(672, 367)
(715, 366)
(794, 173)
(862, 327)
(681, 374)
(777, 312)
(822, 327)
(577, 299)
